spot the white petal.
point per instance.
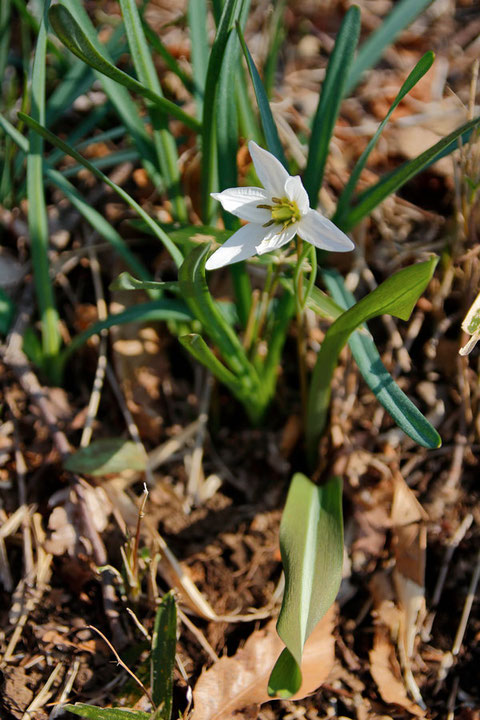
(296, 192)
(321, 232)
(243, 201)
(274, 241)
(270, 171)
(239, 246)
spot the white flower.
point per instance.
(275, 213)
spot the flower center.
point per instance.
(285, 212)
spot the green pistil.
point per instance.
(285, 212)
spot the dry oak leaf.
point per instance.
(386, 672)
(236, 682)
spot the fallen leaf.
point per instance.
(239, 681)
(385, 670)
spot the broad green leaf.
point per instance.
(268, 123)
(423, 65)
(396, 296)
(230, 14)
(311, 544)
(318, 301)
(91, 712)
(162, 658)
(37, 210)
(396, 403)
(329, 102)
(155, 311)
(125, 281)
(105, 456)
(161, 235)
(390, 183)
(73, 37)
(164, 141)
(401, 15)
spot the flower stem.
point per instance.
(301, 340)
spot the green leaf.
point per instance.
(311, 544)
(329, 102)
(197, 23)
(155, 311)
(162, 658)
(402, 14)
(164, 141)
(168, 58)
(231, 10)
(423, 65)
(396, 296)
(396, 403)
(121, 100)
(197, 347)
(161, 235)
(195, 292)
(268, 123)
(125, 281)
(37, 209)
(105, 456)
(390, 183)
(7, 311)
(73, 37)
(91, 712)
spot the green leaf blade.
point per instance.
(311, 544)
(162, 658)
(91, 712)
(329, 103)
(105, 456)
(396, 296)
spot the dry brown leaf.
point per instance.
(239, 681)
(385, 670)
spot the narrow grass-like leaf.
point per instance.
(162, 657)
(33, 23)
(402, 14)
(163, 139)
(4, 35)
(282, 313)
(155, 311)
(168, 58)
(91, 712)
(277, 33)
(199, 349)
(119, 96)
(125, 281)
(96, 220)
(390, 183)
(73, 37)
(400, 408)
(395, 296)
(268, 123)
(227, 146)
(230, 14)
(7, 312)
(197, 296)
(160, 234)
(37, 210)
(197, 23)
(318, 301)
(311, 544)
(329, 102)
(423, 65)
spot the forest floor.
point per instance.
(403, 639)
